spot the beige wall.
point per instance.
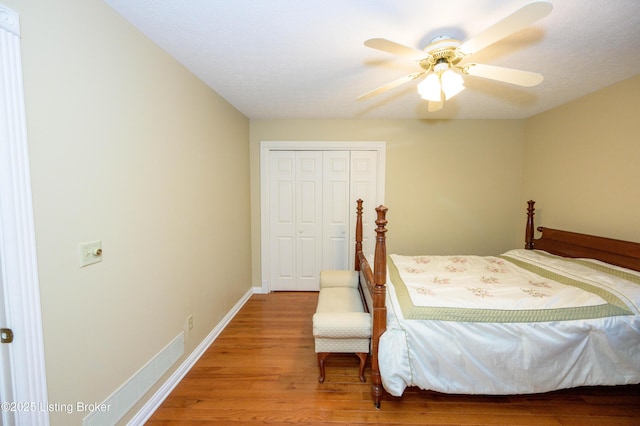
(451, 186)
(128, 147)
(582, 163)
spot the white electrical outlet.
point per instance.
(90, 253)
(190, 322)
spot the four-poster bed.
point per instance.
(573, 327)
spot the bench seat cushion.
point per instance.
(344, 325)
(340, 323)
(339, 299)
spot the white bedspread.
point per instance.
(523, 322)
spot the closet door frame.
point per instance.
(267, 146)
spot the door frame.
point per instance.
(18, 261)
(267, 146)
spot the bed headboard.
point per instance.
(573, 244)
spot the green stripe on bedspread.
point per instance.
(613, 307)
(600, 268)
(603, 293)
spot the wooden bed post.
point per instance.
(379, 305)
(529, 233)
(374, 283)
(358, 234)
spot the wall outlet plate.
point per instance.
(90, 253)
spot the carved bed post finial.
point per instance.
(528, 237)
(358, 233)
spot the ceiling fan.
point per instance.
(442, 60)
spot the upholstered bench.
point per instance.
(340, 323)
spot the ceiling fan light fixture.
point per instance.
(430, 88)
(452, 83)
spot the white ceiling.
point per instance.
(295, 59)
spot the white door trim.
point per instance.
(17, 235)
(267, 146)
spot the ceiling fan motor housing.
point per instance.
(442, 49)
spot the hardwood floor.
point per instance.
(262, 369)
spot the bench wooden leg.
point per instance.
(321, 357)
(363, 361)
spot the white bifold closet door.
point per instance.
(311, 201)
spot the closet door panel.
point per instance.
(308, 219)
(282, 220)
(312, 198)
(336, 219)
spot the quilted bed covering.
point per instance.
(522, 322)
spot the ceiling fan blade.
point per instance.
(394, 48)
(390, 85)
(508, 75)
(518, 20)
